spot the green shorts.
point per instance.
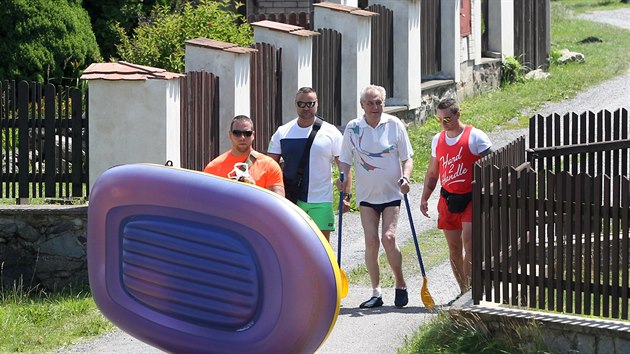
(321, 213)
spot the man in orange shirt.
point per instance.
(244, 163)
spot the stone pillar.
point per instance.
(500, 27)
(356, 36)
(297, 58)
(451, 39)
(134, 116)
(231, 63)
(407, 58)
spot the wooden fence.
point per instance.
(327, 74)
(266, 93)
(382, 58)
(44, 142)
(199, 119)
(430, 42)
(556, 237)
(532, 38)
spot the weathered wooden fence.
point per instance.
(532, 39)
(44, 142)
(327, 74)
(383, 48)
(552, 232)
(199, 119)
(431, 33)
(266, 93)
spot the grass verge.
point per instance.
(37, 321)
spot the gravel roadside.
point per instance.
(384, 330)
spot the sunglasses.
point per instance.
(445, 119)
(303, 104)
(240, 133)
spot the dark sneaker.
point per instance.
(372, 302)
(401, 298)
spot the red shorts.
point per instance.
(452, 221)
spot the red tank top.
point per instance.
(456, 163)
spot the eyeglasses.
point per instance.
(303, 104)
(240, 133)
(445, 119)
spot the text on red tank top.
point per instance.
(455, 162)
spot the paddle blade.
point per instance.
(427, 300)
(344, 284)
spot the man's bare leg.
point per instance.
(394, 257)
(454, 240)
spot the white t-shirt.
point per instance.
(289, 141)
(478, 141)
(377, 154)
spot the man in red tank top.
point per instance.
(453, 152)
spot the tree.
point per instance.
(127, 13)
(159, 42)
(45, 40)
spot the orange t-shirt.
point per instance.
(265, 171)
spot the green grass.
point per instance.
(506, 109)
(434, 252)
(36, 321)
(449, 333)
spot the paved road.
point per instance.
(384, 330)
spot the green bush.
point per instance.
(512, 71)
(127, 13)
(159, 42)
(45, 40)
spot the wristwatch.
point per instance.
(347, 196)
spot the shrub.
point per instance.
(159, 41)
(45, 40)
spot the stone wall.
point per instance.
(43, 245)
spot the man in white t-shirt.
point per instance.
(379, 146)
(314, 194)
(454, 151)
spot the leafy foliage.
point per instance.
(45, 40)
(127, 13)
(159, 42)
(512, 71)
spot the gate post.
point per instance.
(500, 27)
(297, 58)
(134, 116)
(354, 25)
(451, 40)
(407, 68)
(230, 63)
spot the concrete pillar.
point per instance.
(451, 39)
(500, 27)
(407, 57)
(134, 116)
(353, 3)
(297, 58)
(231, 63)
(476, 29)
(356, 36)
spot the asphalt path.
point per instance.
(385, 329)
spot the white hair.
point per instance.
(379, 89)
